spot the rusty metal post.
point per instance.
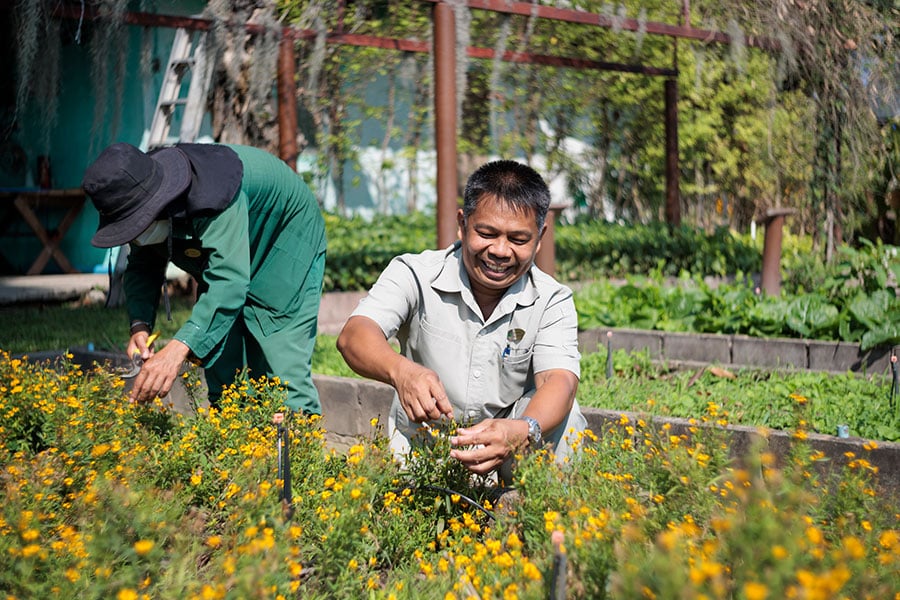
(546, 256)
(673, 199)
(771, 267)
(287, 102)
(445, 122)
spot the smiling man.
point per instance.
(485, 337)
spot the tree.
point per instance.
(842, 54)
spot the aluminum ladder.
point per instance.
(187, 58)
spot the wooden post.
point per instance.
(546, 256)
(771, 267)
(673, 199)
(287, 102)
(445, 122)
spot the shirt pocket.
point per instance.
(436, 347)
(516, 376)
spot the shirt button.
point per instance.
(476, 373)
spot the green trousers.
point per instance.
(285, 353)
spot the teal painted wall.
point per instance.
(72, 142)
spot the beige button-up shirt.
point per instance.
(486, 366)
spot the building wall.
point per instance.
(74, 141)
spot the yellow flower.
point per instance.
(214, 541)
(530, 571)
(127, 594)
(142, 547)
(755, 591)
(801, 400)
(853, 547)
(814, 535)
(100, 450)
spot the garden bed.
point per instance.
(349, 404)
(107, 499)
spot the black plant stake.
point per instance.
(895, 387)
(284, 464)
(609, 364)
(560, 568)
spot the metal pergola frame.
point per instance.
(444, 41)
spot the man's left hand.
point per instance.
(492, 442)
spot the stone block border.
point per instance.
(744, 351)
(348, 405)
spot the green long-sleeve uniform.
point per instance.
(259, 266)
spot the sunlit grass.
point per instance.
(30, 328)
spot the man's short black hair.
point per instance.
(517, 184)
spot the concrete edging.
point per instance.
(348, 405)
(743, 350)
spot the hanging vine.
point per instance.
(37, 67)
(108, 65)
(842, 54)
(463, 19)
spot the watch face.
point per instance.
(534, 430)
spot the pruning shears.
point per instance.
(136, 361)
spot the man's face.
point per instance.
(499, 243)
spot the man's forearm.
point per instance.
(553, 398)
(366, 351)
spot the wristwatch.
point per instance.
(534, 431)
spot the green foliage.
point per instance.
(589, 249)
(358, 250)
(856, 299)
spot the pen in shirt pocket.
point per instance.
(512, 336)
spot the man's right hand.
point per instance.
(159, 372)
(421, 392)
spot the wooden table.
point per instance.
(29, 200)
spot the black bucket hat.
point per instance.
(130, 189)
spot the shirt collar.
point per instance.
(452, 278)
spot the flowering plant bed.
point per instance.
(104, 499)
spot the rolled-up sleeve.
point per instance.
(391, 299)
(556, 345)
